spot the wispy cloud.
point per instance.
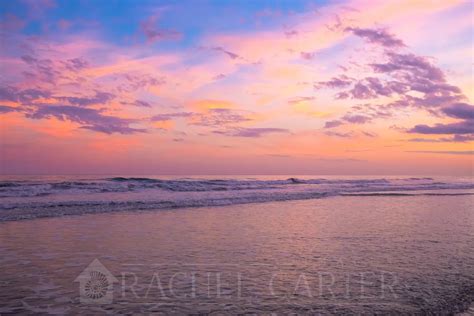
(377, 36)
(251, 132)
(454, 139)
(443, 152)
(88, 118)
(170, 116)
(154, 33)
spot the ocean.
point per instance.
(26, 197)
(236, 245)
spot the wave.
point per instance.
(134, 184)
(30, 199)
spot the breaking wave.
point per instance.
(30, 199)
(122, 184)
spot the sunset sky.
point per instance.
(236, 87)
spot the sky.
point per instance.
(353, 87)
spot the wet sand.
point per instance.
(352, 254)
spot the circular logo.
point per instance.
(97, 286)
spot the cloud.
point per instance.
(31, 96)
(142, 103)
(297, 100)
(371, 87)
(76, 64)
(396, 77)
(230, 54)
(368, 134)
(170, 116)
(136, 81)
(338, 134)
(377, 36)
(460, 138)
(91, 119)
(138, 103)
(447, 152)
(335, 83)
(154, 33)
(251, 132)
(460, 110)
(278, 155)
(464, 127)
(213, 117)
(331, 124)
(412, 65)
(360, 114)
(453, 139)
(23, 96)
(219, 77)
(408, 72)
(219, 116)
(8, 109)
(307, 55)
(356, 118)
(291, 33)
(43, 69)
(99, 98)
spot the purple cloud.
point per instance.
(138, 103)
(335, 83)
(42, 69)
(398, 75)
(291, 33)
(331, 124)
(454, 139)
(153, 33)
(460, 110)
(464, 127)
(219, 116)
(412, 65)
(377, 36)
(141, 81)
(28, 59)
(410, 73)
(251, 132)
(337, 134)
(89, 118)
(8, 109)
(371, 87)
(141, 103)
(170, 116)
(368, 134)
(219, 77)
(230, 54)
(447, 152)
(23, 96)
(356, 118)
(307, 55)
(99, 98)
(76, 64)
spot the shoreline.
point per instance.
(78, 208)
